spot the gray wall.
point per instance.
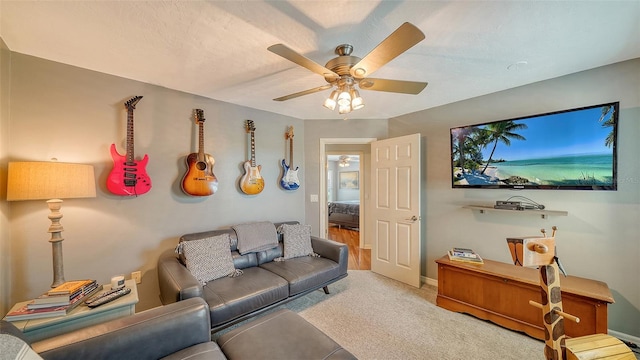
(60, 111)
(599, 237)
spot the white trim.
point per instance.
(323, 177)
(624, 337)
(429, 281)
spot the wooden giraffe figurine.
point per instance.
(541, 252)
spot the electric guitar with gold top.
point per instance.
(200, 179)
(251, 182)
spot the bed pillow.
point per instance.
(296, 240)
(209, 258)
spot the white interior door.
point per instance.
(394, 210)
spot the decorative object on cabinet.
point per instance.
(290, 179)
(251, 183)
(200, 179)
(128, 176)
(51, 181)
(542, 253)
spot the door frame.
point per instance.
(323, 180)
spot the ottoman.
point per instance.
(280, 335)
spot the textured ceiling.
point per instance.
(218, 49)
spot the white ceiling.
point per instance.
(218, 49)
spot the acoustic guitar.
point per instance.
(251, 182)
(128, 176)
(199, 179)
(290, 179)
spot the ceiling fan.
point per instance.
(345, 71)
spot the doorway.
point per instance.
(330, 186)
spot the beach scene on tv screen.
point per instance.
(567, 149)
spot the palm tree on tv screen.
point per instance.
(608, 110)
(503, 132)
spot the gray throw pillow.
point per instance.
(209, 258)
(296, 240)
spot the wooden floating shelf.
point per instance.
(542, 213)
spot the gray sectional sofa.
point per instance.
(178, 331)
(265, 283)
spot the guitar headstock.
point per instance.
(289, 133)
(199, 116)
(131, 103)
(249, 126)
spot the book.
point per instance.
(22, 312)
(69, 287)
(468, 257)
(45, 300)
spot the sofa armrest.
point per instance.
(150, 334)
(175, 281)
(331, 250)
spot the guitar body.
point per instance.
(290, 179)
(128, 178)
(199, 179)
(251, 183)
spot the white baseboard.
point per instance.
(624, 337)
(617, 334)
(429, 281)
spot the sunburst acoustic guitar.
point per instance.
(128, 176)
(251, 182)
(199, 179)
(290, 179)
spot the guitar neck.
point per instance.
(291, 152)
(253, 150)
(201, 141)
(130, 151)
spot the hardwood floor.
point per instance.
(359, 259)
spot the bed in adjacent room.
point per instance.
(345, 213)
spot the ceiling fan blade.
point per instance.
(397, 86)
(291, 55)
(401, 40)
(302, 93)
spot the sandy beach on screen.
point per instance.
(474, 177)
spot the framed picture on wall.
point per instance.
(349, 180)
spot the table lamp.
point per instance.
(51, 181)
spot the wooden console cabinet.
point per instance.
(500, 292)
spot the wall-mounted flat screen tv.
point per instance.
(573, 149)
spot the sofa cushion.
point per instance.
(209, 258)
(280, 335)
(304, 273)
(297, 240)
(232, 297)
(203, 351)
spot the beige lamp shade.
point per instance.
(49, 180)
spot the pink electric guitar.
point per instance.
(128, 176)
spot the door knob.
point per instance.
(413, 218)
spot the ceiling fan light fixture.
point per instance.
(330, 102)
(344, 99)
(356, 101)
(344, 109)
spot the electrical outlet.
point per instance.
(137, 276)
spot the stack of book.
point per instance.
(55, 302)
(464, 255)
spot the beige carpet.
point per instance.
(378, 318)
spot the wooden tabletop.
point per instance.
(571, 284)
